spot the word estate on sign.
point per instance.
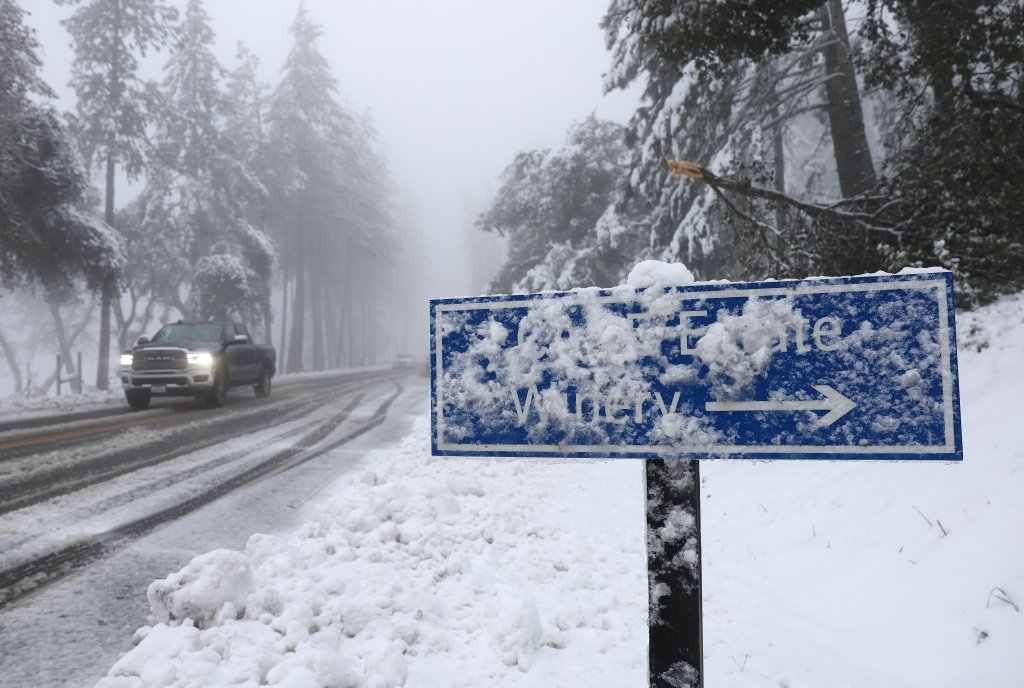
(860, 367)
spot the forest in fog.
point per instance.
(247, 187)
(770, 140)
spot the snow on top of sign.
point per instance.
(651, 273)
(920, 271)
(883, 273)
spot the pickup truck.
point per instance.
(200, 359)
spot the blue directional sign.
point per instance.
(847, 368)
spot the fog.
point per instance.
(455, 88)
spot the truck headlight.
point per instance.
(201, 359)
(126, 360)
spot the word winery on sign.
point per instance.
(860, 367)
(617, 410)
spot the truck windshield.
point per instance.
(189, 333)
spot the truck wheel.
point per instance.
(138, 399)
(218, 395)
(263, 383)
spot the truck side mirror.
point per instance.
(239, 339)
(141, 341)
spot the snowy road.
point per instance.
(95, 505)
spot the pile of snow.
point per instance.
(419, 572)
(654, 273)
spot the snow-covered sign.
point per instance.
(847, 368)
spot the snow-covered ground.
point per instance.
(430, 572)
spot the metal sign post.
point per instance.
(848, 368)
(675, 640)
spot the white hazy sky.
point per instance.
(455, 87)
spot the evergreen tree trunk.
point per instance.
(123, 321)
(373, 349)
(283, 344)
(12, 362)
(317, 307)
(316, 287)
(357, 318)
(103, 363)
(144, 320)
(930, 21)
(268, 316)
(330, 318)
(345, 325)
(268, 302)
(64, 344)
(296, 345)
(845, 114)
(364, 329)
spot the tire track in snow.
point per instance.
(48, 484)
(73, 429)
(32, 575)
(183, 465)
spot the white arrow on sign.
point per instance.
(834, 402)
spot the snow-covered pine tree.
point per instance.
(108, 37)
(246, 126)
(554, 207)
(249, 99)
(19, 80)
(200, 188)
(45, 238)
(328, 206)
(373, 243)
(19, 74)
(306, 124)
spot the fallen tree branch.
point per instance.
(833, 212)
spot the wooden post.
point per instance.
(675, 619)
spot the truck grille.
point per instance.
(160, 360)
(162, 380)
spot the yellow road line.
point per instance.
(71, 434)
